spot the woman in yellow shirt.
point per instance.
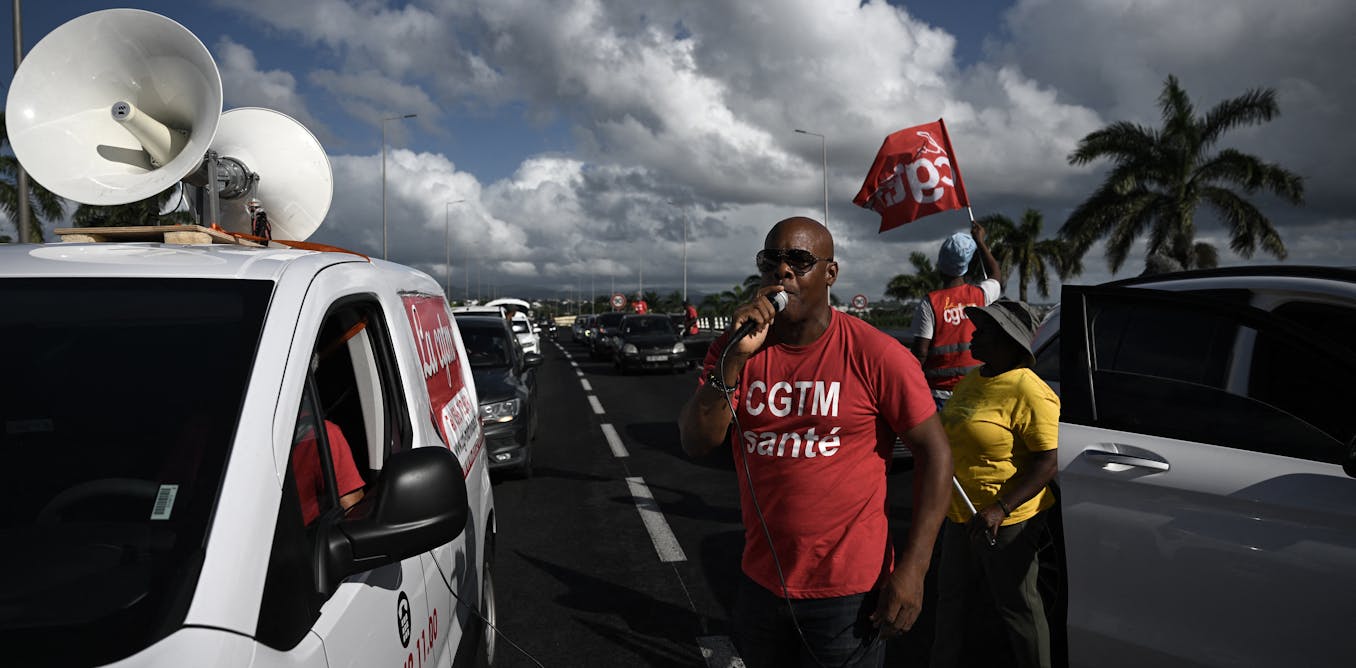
(1003, 424)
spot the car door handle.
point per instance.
(1139, 460)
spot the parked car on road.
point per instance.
(649, 342)
(1206, 466)
(506, 382)
(580, 327)
(604, 330)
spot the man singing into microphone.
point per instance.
(819, 397)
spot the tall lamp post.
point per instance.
(824, 148)
(447, 248)
(383, 179)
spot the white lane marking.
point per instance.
(719, 652)
(587, 386)
(597, 407)
(579, 373)
(574, 364)
(614, 441)
(665, 543)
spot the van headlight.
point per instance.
(629, 349)
(499, 411)
(679, 348)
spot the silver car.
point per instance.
(1206, 463)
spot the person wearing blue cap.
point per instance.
(941, 329)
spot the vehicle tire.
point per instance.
(490, 611)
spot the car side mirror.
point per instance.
(532, 360)
(419, 503)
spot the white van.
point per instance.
(231, 456)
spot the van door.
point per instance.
(1206, 511)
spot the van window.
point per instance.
(350, 419)
(119, 406)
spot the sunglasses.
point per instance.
(799, 260)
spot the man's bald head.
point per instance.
(807, 231)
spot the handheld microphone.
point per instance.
(778, 300)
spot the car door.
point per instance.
(1208, 517)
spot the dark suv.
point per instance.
(506, 382)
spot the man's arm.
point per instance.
(990, 264)
(706, 416)
(922, 329)
(901, 597)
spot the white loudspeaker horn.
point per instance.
(114, 107)
(295, 184)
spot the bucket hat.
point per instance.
(1016, 319)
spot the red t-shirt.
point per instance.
(310, 477)
(817, 425)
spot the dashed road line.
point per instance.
(665, 543)
(614, 441)
(588, 387)
(597, 407)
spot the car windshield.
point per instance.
(120, 402)
(608, 320)
(659, 324)
(487, 344)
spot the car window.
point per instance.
(350, 419)
(486, 346)
(120, 403)
(658, 325)
(1160, 367)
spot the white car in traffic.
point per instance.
(1206, 466)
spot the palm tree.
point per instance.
(1018, 246)
(144, 212)
(917, 285)
(1160, 177)
(43, 204)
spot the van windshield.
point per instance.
(119, 401)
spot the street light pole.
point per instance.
(384, 255)
(824, 148)
(447, 248)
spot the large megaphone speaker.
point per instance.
(295, 183)
(114, 107)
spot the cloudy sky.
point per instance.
(584, 137)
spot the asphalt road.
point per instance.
(586, 575)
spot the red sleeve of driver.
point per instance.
(345, 471)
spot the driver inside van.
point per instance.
(306, 464)
(311, 483)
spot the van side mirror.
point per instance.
(419, 503)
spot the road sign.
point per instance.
(618, 301)
(859, 302)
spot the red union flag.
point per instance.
(915, 174)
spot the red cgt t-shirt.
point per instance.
(817, 425)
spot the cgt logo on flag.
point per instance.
(915, 174)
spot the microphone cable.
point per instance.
(489, 626)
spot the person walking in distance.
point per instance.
(941, 330)
(811, 400)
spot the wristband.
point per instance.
(1007, 512)
(718, 384)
